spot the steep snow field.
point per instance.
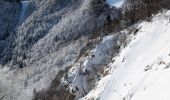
(141, 70)
(116, 3)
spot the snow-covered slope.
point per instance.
(84, 75)
(141, 70)
(58, 52)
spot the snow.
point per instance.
(141, 70)
(23, 11)
(101, 52)
(92, 67)
(116, 3)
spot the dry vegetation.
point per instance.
(135, 10)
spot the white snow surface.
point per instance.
(141, 70)
(23, 10)
(116, 3)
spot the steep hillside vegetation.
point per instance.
(135, 10)
(52, 38)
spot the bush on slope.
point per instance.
(135, 10)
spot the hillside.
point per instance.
(84, 50)
(141, 69)
(49, 38)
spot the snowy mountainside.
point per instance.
(83, 50)
(141, 70)
(48, 40)
(84, 75)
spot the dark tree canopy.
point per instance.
(141, 9)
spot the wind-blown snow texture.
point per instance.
(141, 70)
